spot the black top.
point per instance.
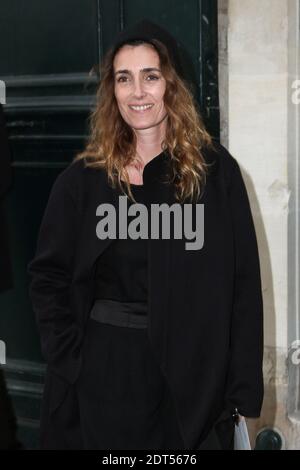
(121, 272)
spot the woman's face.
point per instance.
(139, 86)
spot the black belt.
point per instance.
(119, 313)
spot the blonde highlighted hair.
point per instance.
(112, 142)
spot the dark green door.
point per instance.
(49, 53)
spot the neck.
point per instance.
(149, 141)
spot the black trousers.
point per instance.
(123, 398)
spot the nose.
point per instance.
(139, 91)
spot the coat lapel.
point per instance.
(159, 277)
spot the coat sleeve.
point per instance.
(245, 378)
(50, 273)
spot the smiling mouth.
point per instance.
(142, 108)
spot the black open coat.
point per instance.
(205, 306)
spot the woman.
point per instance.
(149, 344)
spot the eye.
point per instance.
(122, 79)
(152, 77)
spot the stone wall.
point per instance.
(258, 43)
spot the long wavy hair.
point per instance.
(112, 142)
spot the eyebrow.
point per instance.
(147, 69)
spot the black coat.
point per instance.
(205, 306)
